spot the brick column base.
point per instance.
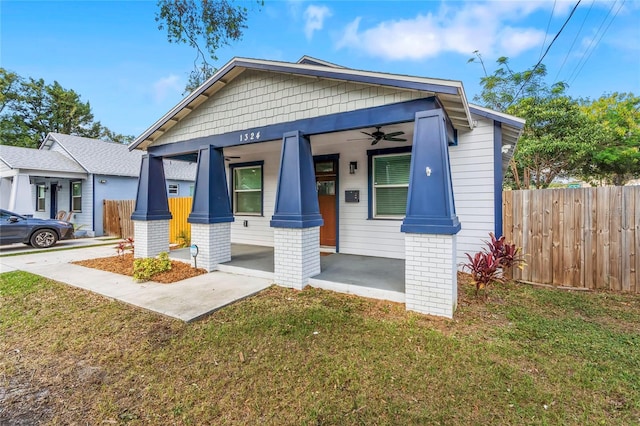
(296, 256)
(151, 237)
(214, 244)
(431, 284)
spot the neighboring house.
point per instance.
(75, 174)
(378, 164)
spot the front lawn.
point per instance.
(525, 356)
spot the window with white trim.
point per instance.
(76, 196)
(390, 181)
(173, 189)
(40, 197)
(247, 189)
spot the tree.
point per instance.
(555, 142)
(29, 109)
(205, 25)
(557, 134)
(503, 88)
(615, 157)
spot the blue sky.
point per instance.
(113, 55)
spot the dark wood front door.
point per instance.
(327, 186)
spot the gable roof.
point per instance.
(111, 158)
(32, 159)
(96, 156)
(450, 92)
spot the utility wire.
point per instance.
(545, 53)
(546, 33)
(584, 54)
(594, 48)
(574, 40)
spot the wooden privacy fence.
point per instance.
(584, 237)
(117, 218)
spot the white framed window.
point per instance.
(247, 188)
(40, 197)
(76, 196)
(390, 185)
(173, 189)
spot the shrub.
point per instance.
(490, 265)
(144, 269)
(183, 238)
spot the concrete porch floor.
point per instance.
(375, 277)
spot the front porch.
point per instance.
(367, 276)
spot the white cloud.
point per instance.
(492, 28)
(167, 86)
(314, 17)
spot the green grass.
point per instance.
(525, 356)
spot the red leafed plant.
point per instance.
(489, 266)
(124, 246)
(508, 255)
(483, 268)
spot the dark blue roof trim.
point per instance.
(375, 116)
(496, 117)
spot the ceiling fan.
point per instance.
(379, 135)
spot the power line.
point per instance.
(594, 48)
(574, 40)
(548, 25)
(584, 53)
(545, 53)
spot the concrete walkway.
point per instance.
(186, 300)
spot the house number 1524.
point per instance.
(249, 136)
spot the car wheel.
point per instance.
(44, 238)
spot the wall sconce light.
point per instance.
(353, 166)
(103, 181)
(46, 188)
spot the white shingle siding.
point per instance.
(258, 98)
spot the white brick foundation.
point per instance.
(431, 285)
(151, 237)
(214, 244)
(296, 256)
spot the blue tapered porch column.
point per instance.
(151, 214)
(431, 223)
(211, 214)
(296, 220)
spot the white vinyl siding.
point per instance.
(258, 230)
(472, 173)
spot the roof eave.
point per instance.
(441, 88)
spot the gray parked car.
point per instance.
(39, 233)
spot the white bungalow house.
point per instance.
(327, 158)
(73, 175)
